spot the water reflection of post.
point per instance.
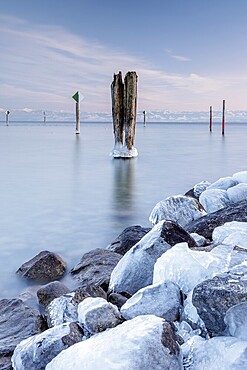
(123, 200)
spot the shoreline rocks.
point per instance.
(157, 297)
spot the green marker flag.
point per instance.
(76, 96)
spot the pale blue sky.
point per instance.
(188, 54)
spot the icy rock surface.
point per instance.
(60, 310)
(236, 321)
(143, 343)
(232, 233)
(135, 270)
(213, 200)
(199, 188)
(199, 239)
(163, 300)
(237, 193)
(179, 208)
(213, 297)
(220, 353)
(37, 351)
(223, 183)
(187, 268)
(96, 315)
(240, 176)
(191, 316)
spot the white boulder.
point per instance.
(187, 267)
(135, 270)
(163, 300)
(96, 315)
(223, 183)
(214, 199)
(60, 310)
(240, 176)
(236, 321)
(237, 193)
(231, 233)
(143, 343)
(217, 353)
(179, 208)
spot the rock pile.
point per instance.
(170, 297)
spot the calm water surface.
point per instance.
(63, 192)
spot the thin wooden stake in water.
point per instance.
(223, 118)
(77, 108)
(144, 118)
(44, 118)
(210, 119)
(7, 117)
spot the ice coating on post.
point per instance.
(117, 93)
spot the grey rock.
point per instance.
(163, 300)
(173, 234)
(212, 298)
(95, 267)
(117, 299)
(135, 270)
(97, 315)
(88, 291)
(46, 266)
(37, 351)
(206, 224)
(51, 291)
(17, 322)
(128, 237)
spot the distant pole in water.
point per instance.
(76, 97)
(144, 118)
(7, 117)
(44, 118)
(210, 118)
(223, 118)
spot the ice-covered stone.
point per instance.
(191, 316)
(232, 233)
(237, 193)
(214, 199)
(206, 224)
(135, 270)
(143, 343)
(124, 152)
(199, 239)
(213, 297)
(187, 267)
(223, 183)
(97, 315)
(179, 208)
(163, 300)
(215, 354)
(240, 176)
(201, 187)
(236, 321)
(60, 310)
(185, 330)
(37, 351)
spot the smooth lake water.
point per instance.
(63, 192)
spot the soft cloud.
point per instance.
(41, 67)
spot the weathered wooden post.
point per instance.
(130, 107)
(117, 94)
(144, 118)
(7, 117)
(223, 118)
(76, 97)
(210, 118)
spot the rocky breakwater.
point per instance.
(173, 296)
